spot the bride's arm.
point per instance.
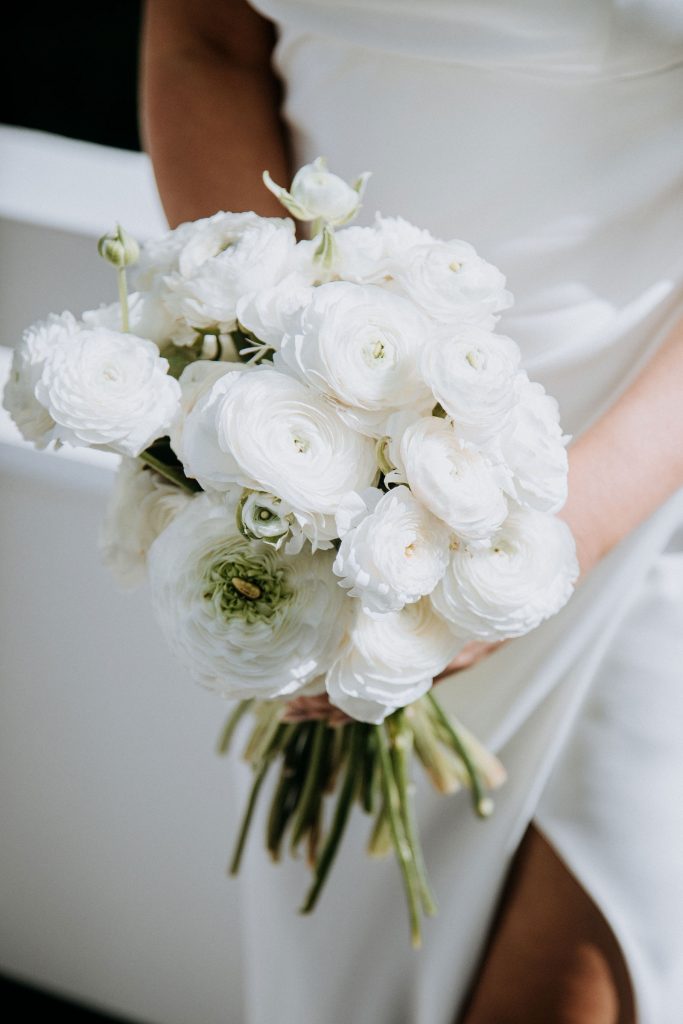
(209, 107)
(631, 460)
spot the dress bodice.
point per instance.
(590, 38)
(548, 135)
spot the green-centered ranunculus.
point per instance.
(246, 619)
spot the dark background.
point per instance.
(72, 69)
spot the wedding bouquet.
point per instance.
(334, 474)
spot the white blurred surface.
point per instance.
(57, 197)
(117, 816)
(78, 187)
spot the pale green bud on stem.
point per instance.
(121, 250)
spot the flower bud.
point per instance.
(318, 195)
(120, 249)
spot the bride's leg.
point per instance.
(552, 958)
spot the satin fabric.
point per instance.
(549, 136)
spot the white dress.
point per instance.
(551, 137)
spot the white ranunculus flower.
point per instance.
(360, 346)
(399, 238)
(362, 255)
(195, 381)
(19, 398)
(461, 486)
(374, 255)
(267, 431)
(147, 318)
(390, 661)
(472, 374)
(245, 620)
(107, 389)
(159, 256)
(317, 194)
(534, 448)
(452, 284)
(506, 589)
(141, 505)
(265, 517)
(225, 257)
(270, 313)
(393, 551)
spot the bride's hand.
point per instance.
(471, 653)
(306, 709)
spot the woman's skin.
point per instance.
(210, 122)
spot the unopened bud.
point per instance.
(120, 249)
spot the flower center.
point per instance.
(301, 444)
(110, 373)
(246, 589)
(376, 351)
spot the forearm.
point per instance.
(209, 107)
(631, 460)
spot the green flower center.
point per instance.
(249, 589)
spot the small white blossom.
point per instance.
(472, 374)
(107, 389)
(267, 431)
(390, 661)
(141, 505)
(393, 551)
(360, 346)
(510, 586)
(534, 448)
(148, 318)
(195, 381)
(28, 359)
(270, 313)
(451, 283)
(225, 257)
(459, 485)
(265, 517)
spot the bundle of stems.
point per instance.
(367, 764)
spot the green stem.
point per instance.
(379, 843)
(402, 747)
(338, 751)
(370, 778)
(404, 854)
(123, 298)
(296, 750)
(276, 742)
(267, 727)
(172, 473)
(311, 789)
(339, 821)
(482, 803)
(229, 728)
(248, 814)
